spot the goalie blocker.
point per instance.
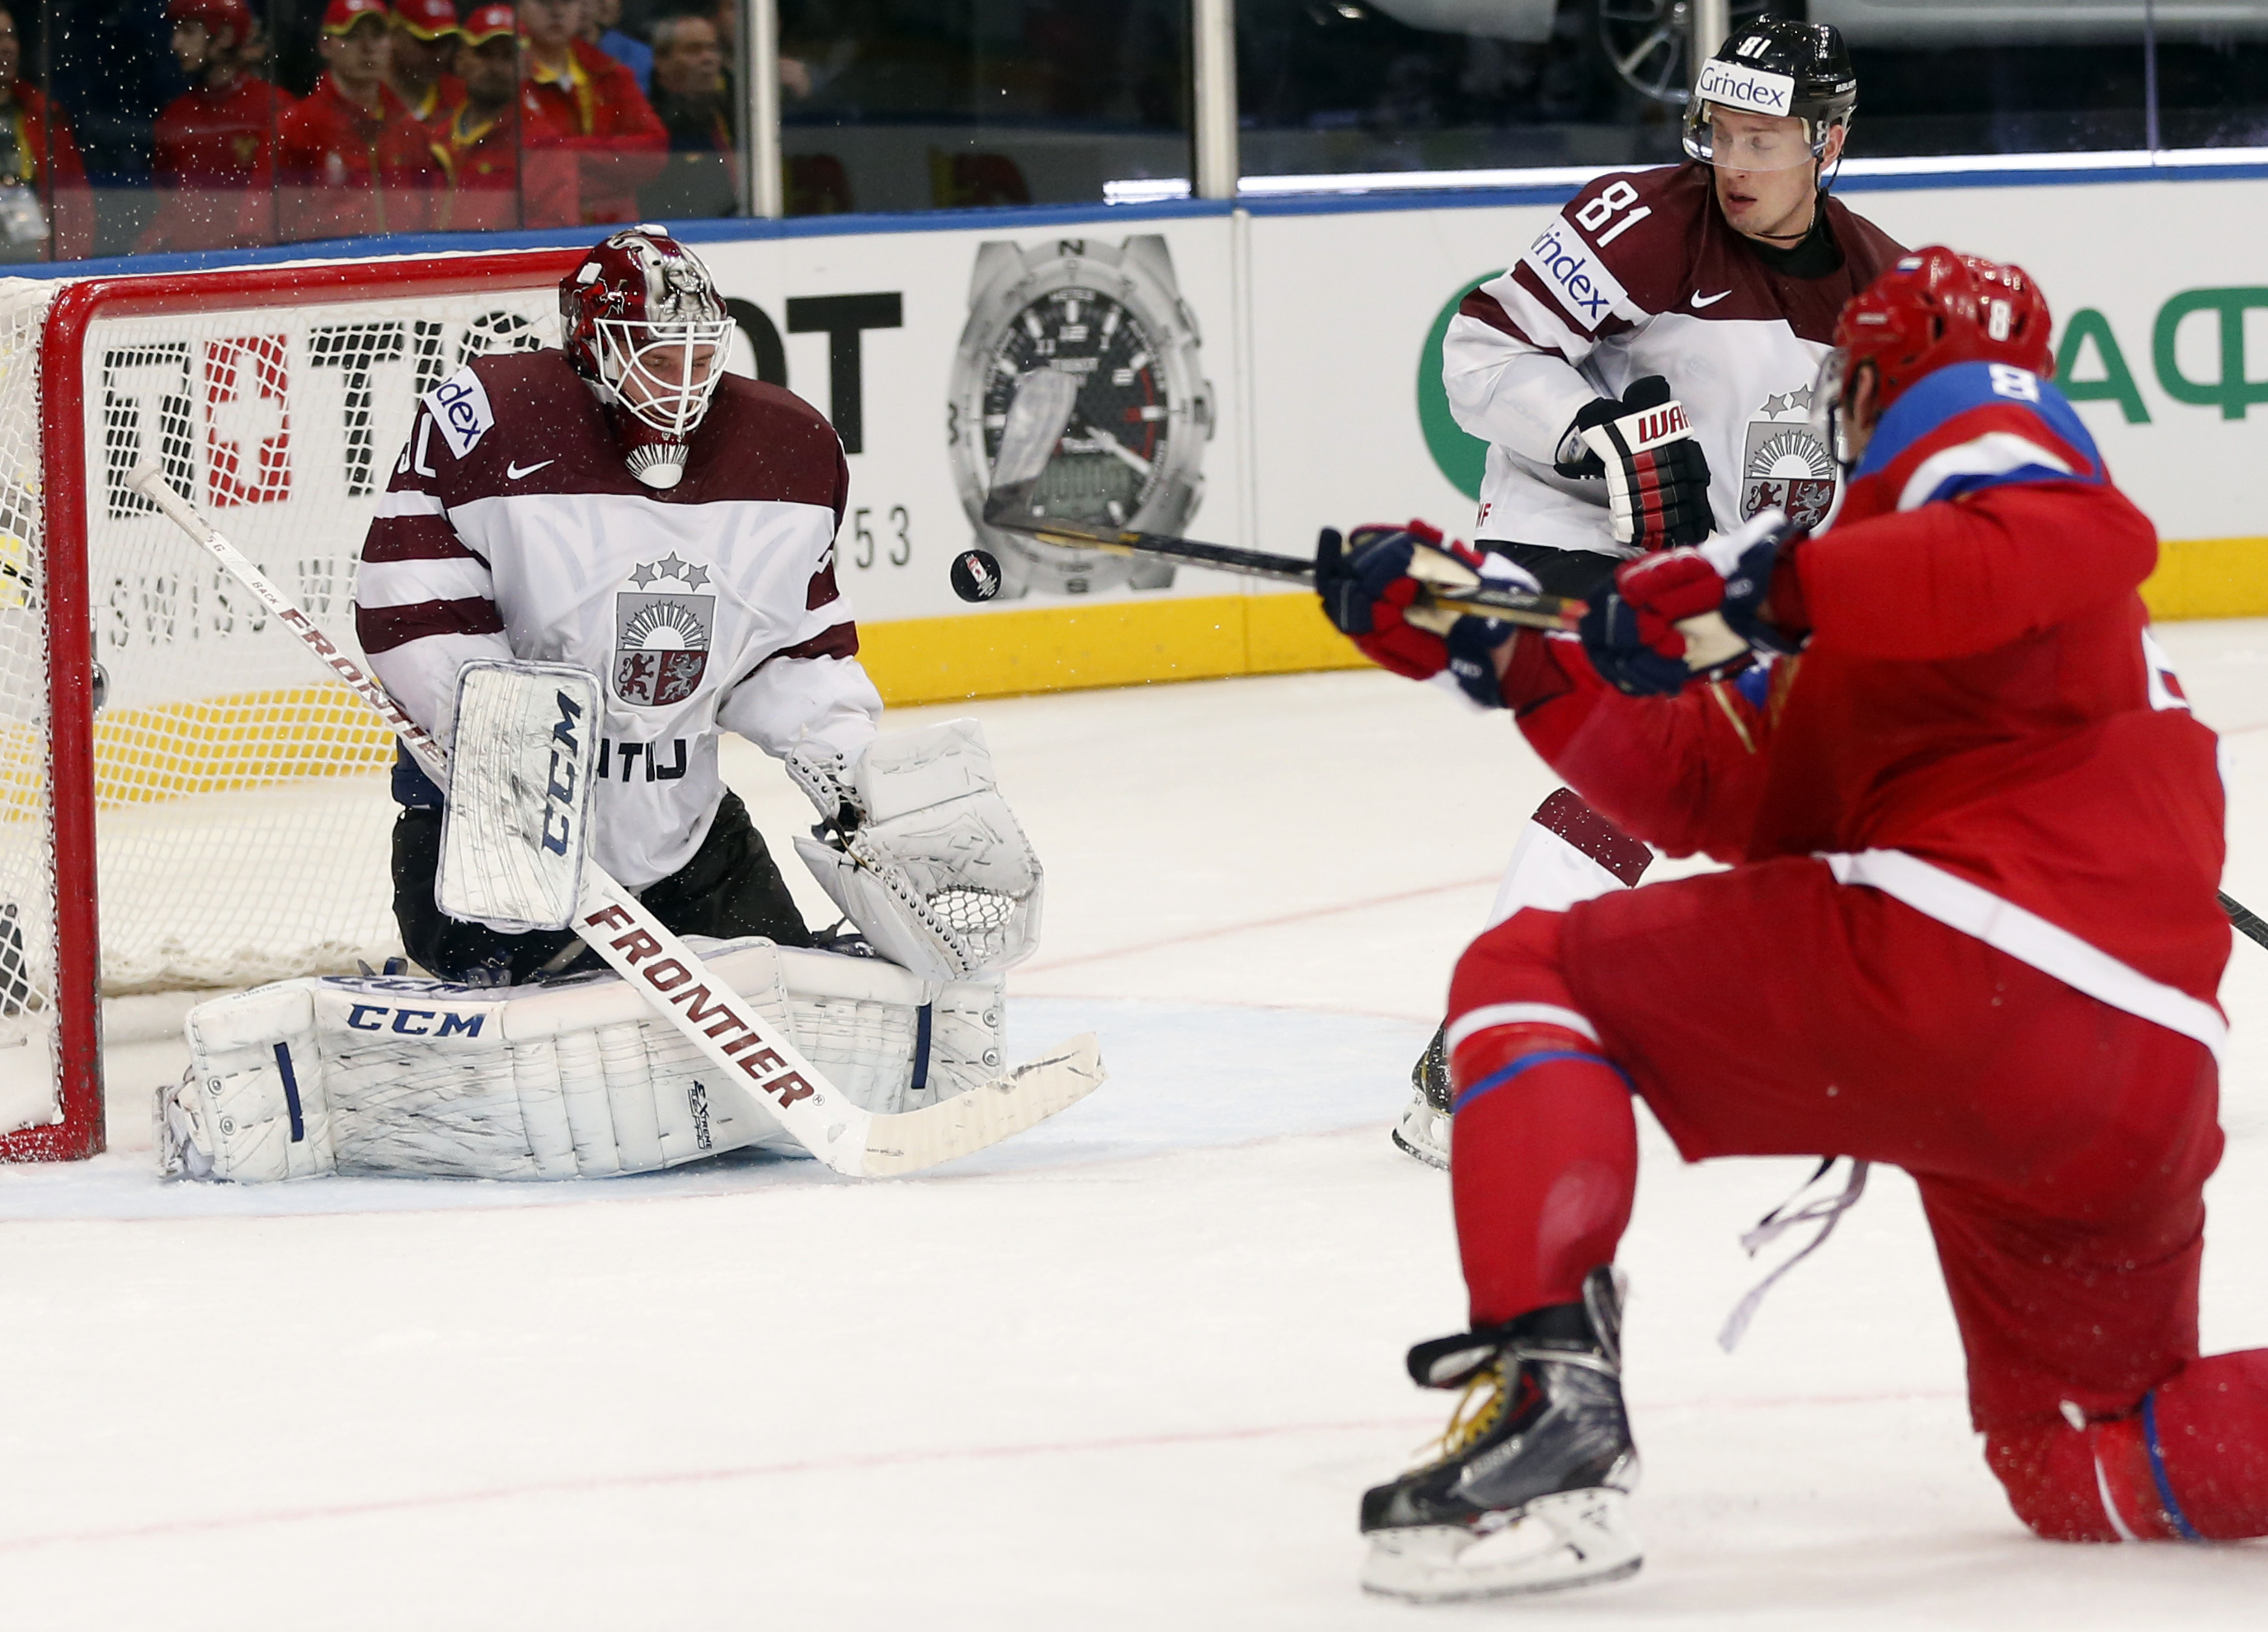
(575, 1079)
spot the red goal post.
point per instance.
(220, 818)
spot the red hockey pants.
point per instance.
(2060, 1145)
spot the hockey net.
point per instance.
(222, 817)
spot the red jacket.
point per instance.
(348, 174)
(589, 144)
(213, 155)
(1979, 696)
(482, 161)
(53, 171)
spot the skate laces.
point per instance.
(1826, 1212)
(1479, 1406)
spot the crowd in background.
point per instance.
(416, 119)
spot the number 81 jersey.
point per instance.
(1639, 275)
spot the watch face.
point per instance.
(1113, 453)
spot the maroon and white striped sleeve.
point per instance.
(425, 604)
(812, 690)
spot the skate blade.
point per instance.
(1579, 1538)
(1424, 1132)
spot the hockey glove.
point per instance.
(1621, 654)
(1372, 584)
(1704, 606)
(1657, 475)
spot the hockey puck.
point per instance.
(976, 574)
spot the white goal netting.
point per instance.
(241, 804)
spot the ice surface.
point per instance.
(1130, 1371)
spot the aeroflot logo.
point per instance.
(1585, 288)
(1747, 88)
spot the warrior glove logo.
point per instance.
(663, 624)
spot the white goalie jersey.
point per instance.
(513, 529)
(1641, 274)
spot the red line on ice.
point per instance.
(1258, 923)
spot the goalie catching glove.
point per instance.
(1657, 475)
(917, 848)
(1373, 585)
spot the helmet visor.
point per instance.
(1732, 138)
(664, 373)
(1829, 418)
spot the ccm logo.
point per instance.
(559, 793)
(751, 1056)
(370, 1017)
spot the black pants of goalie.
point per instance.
(731, 887)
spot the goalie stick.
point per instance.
(1037, 419)
(669, 975)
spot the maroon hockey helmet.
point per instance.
(640, 319)
(1919, 316)
(2015, 316)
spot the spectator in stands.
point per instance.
(351, 159)
(46, 211)
(213, 148)
(425, 38)
(602, 26)
(589, 140)
(480, 144)
(688, 98)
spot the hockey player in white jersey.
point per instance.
(1643, 376)
(627, 506)
(641, 546)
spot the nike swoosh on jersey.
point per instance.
(1701, 300)
(514, 472)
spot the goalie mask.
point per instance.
(1781, 71)
(642, 322)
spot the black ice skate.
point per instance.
(1424, 1131)
(1536, 1466)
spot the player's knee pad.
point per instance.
(576, 1078)
(2102, 1481)
(1509, 1003)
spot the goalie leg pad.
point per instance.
(578, 1078)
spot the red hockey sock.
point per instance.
(1543, 1167)
(2190, 1463)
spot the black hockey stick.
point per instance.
(1037, 419)
(2248, 922)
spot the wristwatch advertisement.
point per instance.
(1114, 319)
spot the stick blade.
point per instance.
(967, 1123)
(1036, 418)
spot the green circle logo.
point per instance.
(1461, 456)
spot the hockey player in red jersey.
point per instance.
(1974, 836)
(1723, 275)
(626, 506)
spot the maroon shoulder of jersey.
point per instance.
(1642, 227)
(763, 442)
